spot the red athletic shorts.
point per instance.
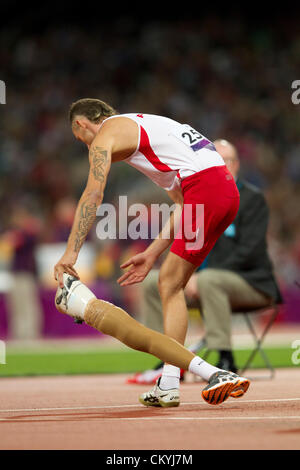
(211, 202)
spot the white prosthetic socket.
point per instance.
(73, 298)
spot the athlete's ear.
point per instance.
(81, 123)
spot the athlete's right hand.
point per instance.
(65, 265)
(140, 264)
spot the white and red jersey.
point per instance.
(167, 151)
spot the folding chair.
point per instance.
(272, 312)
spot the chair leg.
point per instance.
(259, 340)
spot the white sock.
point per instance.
(170, 377)
(202, 368)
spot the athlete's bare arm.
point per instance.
(166, 236)
(142, 263)
(116, 140)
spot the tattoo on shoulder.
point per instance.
(99, 159)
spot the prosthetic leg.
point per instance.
(77, 301)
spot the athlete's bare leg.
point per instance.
(173, 277)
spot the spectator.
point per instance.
(25, 317)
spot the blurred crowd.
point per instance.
(228, 79)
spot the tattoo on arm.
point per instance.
(88, 208)
(99, 160)
(87, 217)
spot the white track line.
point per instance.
(107, 407)
(205, 418)
(208, 418)
(174, 418)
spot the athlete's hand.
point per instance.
(65, 265)
(140, 264)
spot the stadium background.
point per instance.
(228, 75)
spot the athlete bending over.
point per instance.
(186, 164)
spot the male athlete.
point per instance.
(186, 164)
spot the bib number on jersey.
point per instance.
(192, 138)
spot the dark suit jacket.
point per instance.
(242, 248)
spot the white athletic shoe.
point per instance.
(73, 298)
(159, 397)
